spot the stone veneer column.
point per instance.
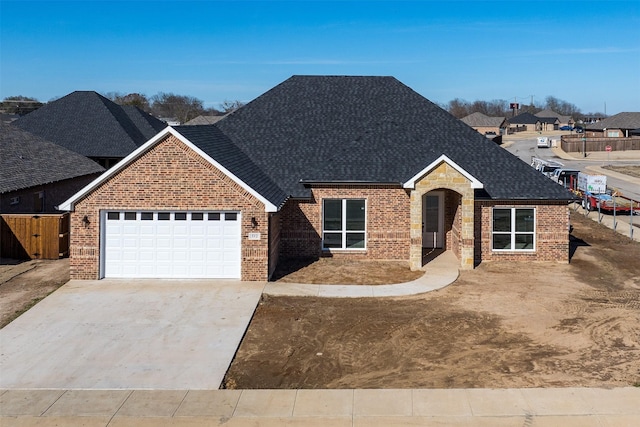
(443, 177)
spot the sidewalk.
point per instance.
(565, 407)
(439, 272)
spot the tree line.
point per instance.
(501, 108)
(165, 105)
(184, 108)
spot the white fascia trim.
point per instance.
(475, 183)
(68, 205)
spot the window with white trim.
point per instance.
(343, 224)
(514, 229)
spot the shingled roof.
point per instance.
(90, 124)
(625, 120)
(368, 130)
(524, 119)
(478, 119)
(28, 160)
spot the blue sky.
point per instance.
(583, 52)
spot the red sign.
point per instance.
(514, 105)
(608, 148)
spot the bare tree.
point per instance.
(183, 108)
(230, 106)
(20, 105)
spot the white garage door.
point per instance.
(148, 244)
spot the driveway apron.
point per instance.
(129, 334)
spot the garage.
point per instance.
(171, 244)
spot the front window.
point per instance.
(343, 224)
(514, 229)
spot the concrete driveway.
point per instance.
(129, 334)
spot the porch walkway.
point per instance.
(439, 272)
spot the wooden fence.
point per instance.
(28, 236)
(574, 143)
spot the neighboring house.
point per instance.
(204, 120)
(562, 120)
(91, 125)
(487, 125)
(524, 121)
(548, 123)
(342, 166)
(620, 125)
(37, 175)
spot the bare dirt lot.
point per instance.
(24, 284)
(633, 171)
(500, 325)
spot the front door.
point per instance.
(433, 219)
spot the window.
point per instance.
(130, 216)
(180, 216)
(343, 224)
(164, 216)
(197, 216)
(231, 216)
(146, 216)
(214, 216)
(514, 229)
(113, 215)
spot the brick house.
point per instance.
(37, 175)
(344, 166)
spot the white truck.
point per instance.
(544, 142)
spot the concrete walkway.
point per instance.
(565, 407)
(439, 272)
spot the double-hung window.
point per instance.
(343, 224)
(514, 229)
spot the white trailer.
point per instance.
(594, 184)
(544, 142)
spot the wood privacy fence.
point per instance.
(40, 236)
(574, 143)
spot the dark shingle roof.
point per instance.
(27, 160)
(204, 120)
(368, 129)
(216, 145)
(90, 124)
(524, 119)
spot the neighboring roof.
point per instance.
(204, 120)
(213, 146)
(481, 120)
(627, 120)
(28, 160)
(369, 130)
(524, 119)
(549, 120)
(90, 124)
(551, 113)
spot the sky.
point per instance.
(584, 52)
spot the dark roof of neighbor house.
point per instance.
(551, 113)
(478, 119)
(524, 119)
(219, 147)
(367, 130)
(28, 160)
(625, 120)
(90, 124)
(549, 119)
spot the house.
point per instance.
(342, 166)
(91, 125)
(486, 125)
(524, 122)
(37, 175)
(562, 120)
(620, 125)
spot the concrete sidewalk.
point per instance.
(439, 272)
(565, 407)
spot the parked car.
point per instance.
(566, 127)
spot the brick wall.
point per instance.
(388, 235)
(552, 232)
(169, 176)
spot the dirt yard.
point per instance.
(633, 171)
(501, 325)
(23, 284)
